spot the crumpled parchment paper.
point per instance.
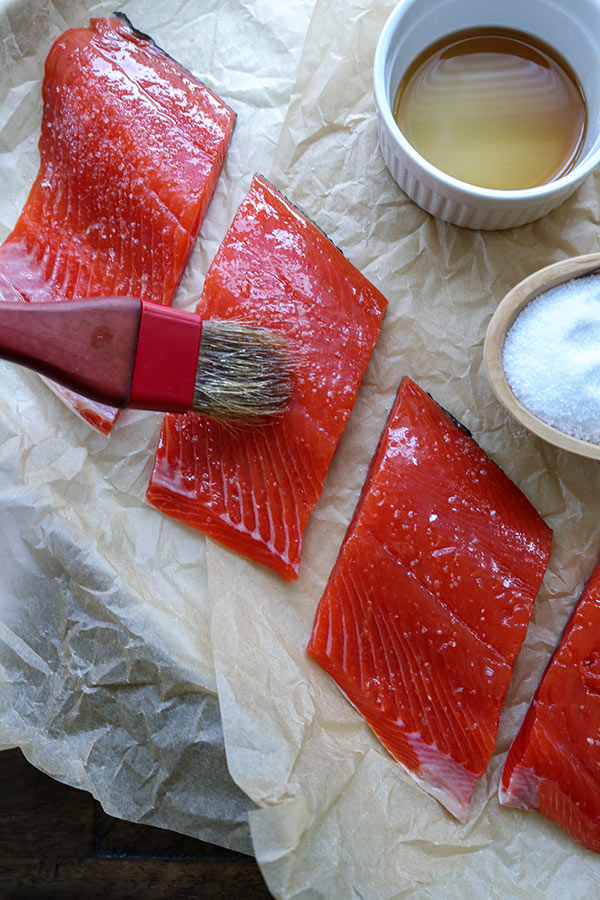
(337, 817)
(106, 672)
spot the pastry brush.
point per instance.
(127, 352)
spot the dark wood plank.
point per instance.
(113, 837)
(33, 804)
(56, 843)
(136, 880)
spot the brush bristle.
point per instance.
(243, 373)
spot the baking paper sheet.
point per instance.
(106, 672)
(337, 817)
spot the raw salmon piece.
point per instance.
(131, 148)
(553, 765)
(429, 600)
(253, 489)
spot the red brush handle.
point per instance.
(86, 345)
(166, 360)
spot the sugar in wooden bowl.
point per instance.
(542, 354)
(552, 357)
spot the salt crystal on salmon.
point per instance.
(131, 149)
(253, 489)
(553, 765)
(429, 600)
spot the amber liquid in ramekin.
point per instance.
(493, 107)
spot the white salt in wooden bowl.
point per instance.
(510, 307)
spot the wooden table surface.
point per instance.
(56, 843)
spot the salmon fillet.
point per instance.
(429, 600)
(253, 489)
(131, 148)
(553, 765)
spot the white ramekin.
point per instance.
(570, 26)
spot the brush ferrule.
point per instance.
(166, 359)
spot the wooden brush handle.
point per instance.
(88, 346)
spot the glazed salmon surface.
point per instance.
(553, 765)
(430, 598)
(253, 489)
(131, 149)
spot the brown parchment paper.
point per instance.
(106, 671)
(337, 819)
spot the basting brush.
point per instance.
(127, 352)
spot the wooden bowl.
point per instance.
(501, 321)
